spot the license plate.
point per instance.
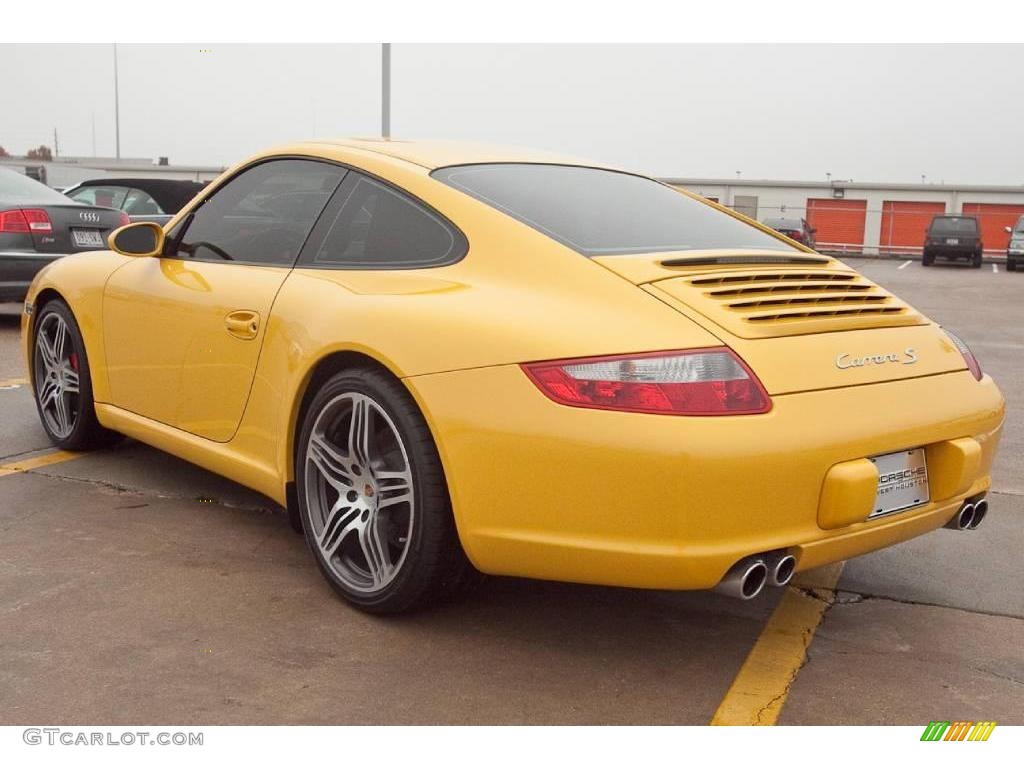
(952, 241)
(87, 238)
(902, 481)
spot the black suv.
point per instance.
(953, 237)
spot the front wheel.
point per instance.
(62, 382)
(373, 498)
(1011, 265)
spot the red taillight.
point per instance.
(693, 382)
(25, 220)
(123, 220)
(13, 221)
(972, 362)
(798, 236)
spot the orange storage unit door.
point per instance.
(993, 217)
(840, 223)
(905, 222)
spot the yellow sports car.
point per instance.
(447, 358)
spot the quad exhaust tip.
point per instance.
(745, 580)
(781, 570)
(963, 519)
(970, 516)
(750, 576)
(980, 510)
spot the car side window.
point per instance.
(139, 203)
(107, 197)
(371, 225)
(261, 216)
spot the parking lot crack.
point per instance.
(990, 673)
(828, 597)
(865, 596)
(21, 454)
(124, 489)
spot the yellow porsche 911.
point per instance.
(445, 359)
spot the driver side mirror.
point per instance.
(142, 239)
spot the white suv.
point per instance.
(1015, 250)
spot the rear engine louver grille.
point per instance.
(779, 303)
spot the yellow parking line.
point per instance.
(12, 383)
(35, 462)
(757, 694)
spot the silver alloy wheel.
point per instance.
(55, 369)
(359, 490)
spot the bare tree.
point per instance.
(42, 152)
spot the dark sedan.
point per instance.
(155, 200)
(39, 225)
(794, 229)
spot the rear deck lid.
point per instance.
(767, 294)
(76, 227)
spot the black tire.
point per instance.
(85, 432)
(976, 261)
(1011, 266)
(433, 565)
(927, 259)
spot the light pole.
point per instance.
(117, 110)
(385, 90)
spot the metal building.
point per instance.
(868, 218)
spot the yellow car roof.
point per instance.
(437, 154)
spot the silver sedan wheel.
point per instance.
(55, 369)
(359, 490)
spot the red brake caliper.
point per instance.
(74, 361)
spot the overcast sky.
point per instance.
(870, 113)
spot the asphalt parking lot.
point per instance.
(135, 588)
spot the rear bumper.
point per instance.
(17, 268)
(547, 491)
(952, 251)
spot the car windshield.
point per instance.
(599, 212)
(955, 225)
(16, 188)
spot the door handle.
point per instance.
(243, 324)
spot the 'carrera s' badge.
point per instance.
(907, 357)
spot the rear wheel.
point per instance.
(927, 259)
(1011, 265)
(373, 498)
(62, 382)
(976, 262)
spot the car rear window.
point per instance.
(600, 212)
(15, 188)
(956, 225)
